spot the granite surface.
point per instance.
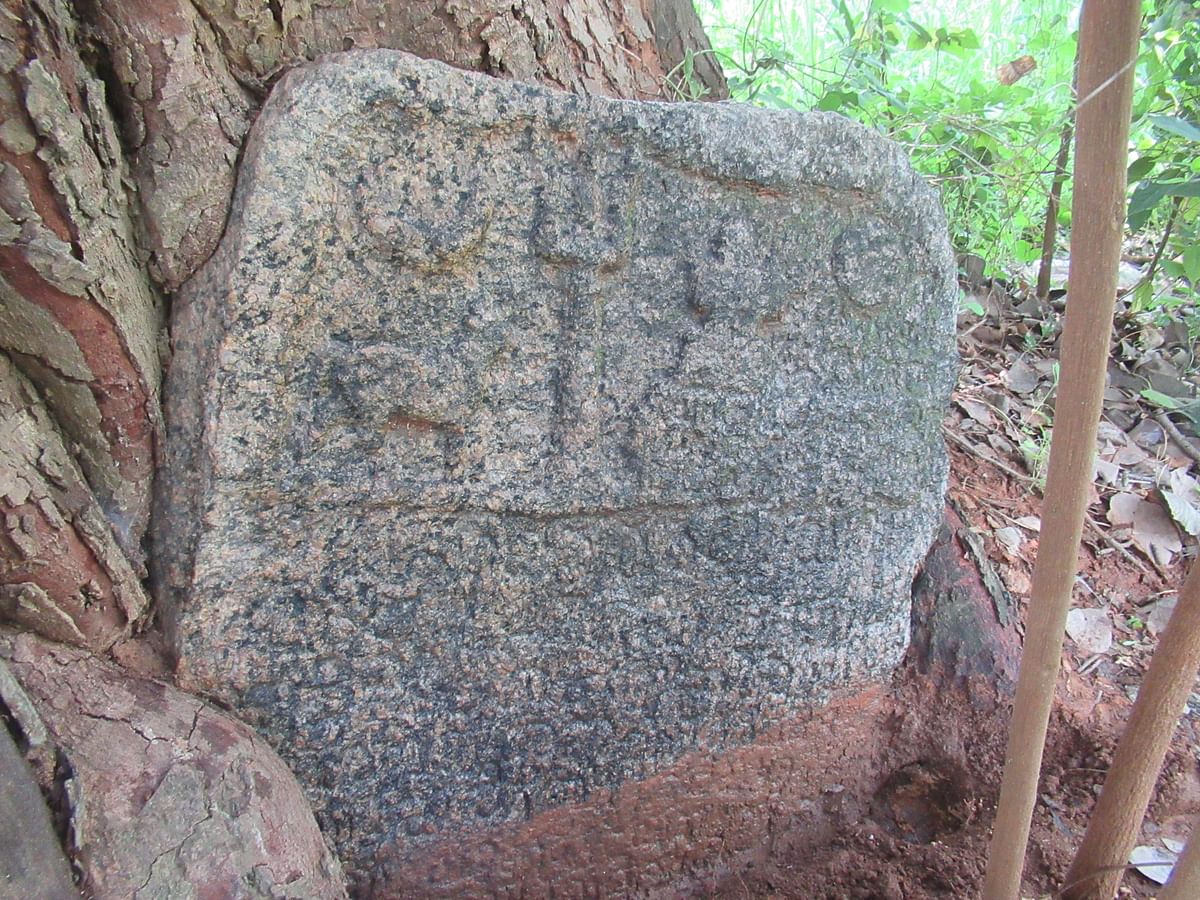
(520, 443)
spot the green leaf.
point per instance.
(1146, 196)
(1190, 188)
(1191, 409)
(1140, 168)
(1191, 263)
(968, 40)
(1143, 296)
(835, 100)
(1025, 252)
(974, 307)
(1158, 398)
(847, 18)
(1177, 126)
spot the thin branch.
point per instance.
(1158, 251)
(974, 451)
(1050, 230)
(1177, 436)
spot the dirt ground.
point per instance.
(918, 822)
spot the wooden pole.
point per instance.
(1117, 818)
(1185, 879)
(1108, 34)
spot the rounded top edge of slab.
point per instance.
(776, 150)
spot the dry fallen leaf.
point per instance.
(1154, 533)
(1010, 539)
(1182, 495)
(1148, 435)
(1107, 432)
(1130, 455)
(1016, 581)
(1121, 509)
(1021, 377)
(1090, 629)
(1160, 614)
(1106, 471)
(1153, 862)
(1001, 444)
(977, 411)
(1012, 72)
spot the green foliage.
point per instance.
(1158, 398)
(681, 82)
(1164, 178)
(1035, 449)
(926, 74)
(971, 305)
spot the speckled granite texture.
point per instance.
(520, 443)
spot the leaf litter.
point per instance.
(1143, 519)
(1146, 501)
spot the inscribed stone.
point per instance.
(521, 443)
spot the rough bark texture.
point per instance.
(64, 576)
(77, 313)
(121, 124)
(170, 797)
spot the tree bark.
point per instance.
(122, 124)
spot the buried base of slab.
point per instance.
(649, 833)
(888, 793)
(894, 758)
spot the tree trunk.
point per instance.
(122, 125)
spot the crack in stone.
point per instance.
(173, 849)
(195, 723)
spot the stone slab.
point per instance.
(520, 443)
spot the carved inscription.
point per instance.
(538, 440)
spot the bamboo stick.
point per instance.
(1185, 879)
(1115, 821)
(1108, 35)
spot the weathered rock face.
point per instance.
(168, 796)
(520, 443)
